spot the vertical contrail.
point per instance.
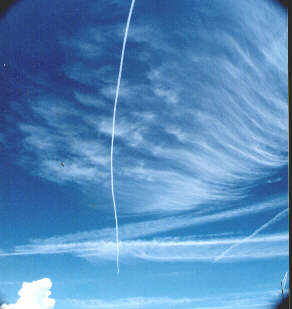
(113, 128)
(272, 221)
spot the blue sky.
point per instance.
(200, 157)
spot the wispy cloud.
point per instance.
(167, 250)
(88, 99)
(264, 226)
(239, 300)
(283, 282)
(214, 134)
(202, 134)
(10, 282)
(273, 180)
(154, 227)
(56, 139)
(135, 302)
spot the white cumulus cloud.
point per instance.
(34, 295)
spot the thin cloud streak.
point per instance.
(228, 300)
(283, 282)
(152, 227)
(264, 226)
(167, 250)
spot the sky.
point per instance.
(200, 154)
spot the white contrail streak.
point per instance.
(284, 281)
(113, 129)
(272, 221)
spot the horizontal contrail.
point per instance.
(113, 129)
(272, 221)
